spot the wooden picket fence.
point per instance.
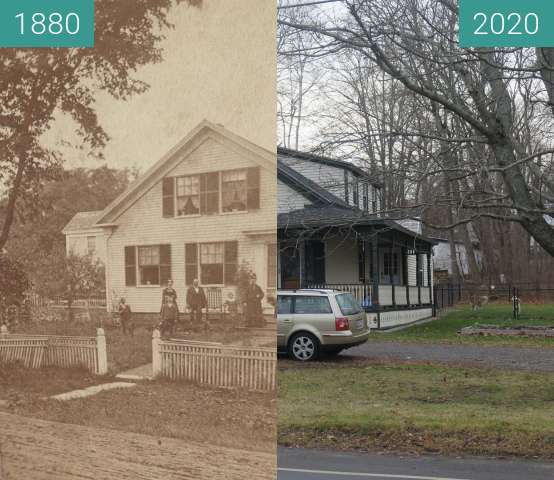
(216, 365)
(36, 351)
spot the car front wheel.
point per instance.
(304, 347)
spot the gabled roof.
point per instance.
(287, 152)
(204, 131)
(82, 221)
(306, 187)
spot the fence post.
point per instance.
(102, 352)
(156, 354)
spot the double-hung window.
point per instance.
(147, 265)
(234, 190)
(188, 195)
(213, 263)
(211, 193)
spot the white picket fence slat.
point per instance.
(251, 368)
(36, 351)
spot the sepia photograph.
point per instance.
(138, 247)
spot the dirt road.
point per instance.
(32, 449)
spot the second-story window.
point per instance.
(211, 193)
(365, 197)
(234, 190)
(188, 195)
(355, 191)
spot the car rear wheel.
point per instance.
(304, 347)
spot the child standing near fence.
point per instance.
(124, 311)
(169, 316)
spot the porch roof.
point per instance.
(337, 217)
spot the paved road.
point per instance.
(520, 358)
(299, 464)
(33, 449)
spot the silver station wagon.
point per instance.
(310, 322)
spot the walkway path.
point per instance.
(519, 358)
(41, 450)
(144, 372)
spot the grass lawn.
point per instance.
(230, 418)
(417, 408)
(446, 328)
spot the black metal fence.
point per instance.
(449, 295)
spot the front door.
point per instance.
(391, 264)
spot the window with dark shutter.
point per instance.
(253, 188)
(209, 193)
(165, 264)
(191, 262)
(130, 267)
(231, 263)
(168, 197)
(154, 264)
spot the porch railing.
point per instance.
(361, 292)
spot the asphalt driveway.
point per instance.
(518, 358)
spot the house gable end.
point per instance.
(172, 163)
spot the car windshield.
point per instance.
(348, 304)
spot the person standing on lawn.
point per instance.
(196, 301)
(169, 315)
(169, 291)
(253, 304)
(125, 319)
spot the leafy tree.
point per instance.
(13, 281)
(39, 85)
(37, 229)
(70, 277)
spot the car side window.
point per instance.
(312, 304)
(284, 304)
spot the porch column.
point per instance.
(405, 274)
(419, 276)
(391, 271)
(429, 275)
(375, 273)
(301, 263)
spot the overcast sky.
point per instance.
(219, 65)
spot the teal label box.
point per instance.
(46, 23)
(506, 23)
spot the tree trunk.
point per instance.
(12, 199)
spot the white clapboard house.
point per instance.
(331, 236)
(201, 211)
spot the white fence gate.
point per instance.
(36, 351)
(217, 365)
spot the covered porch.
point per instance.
(384, 266)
